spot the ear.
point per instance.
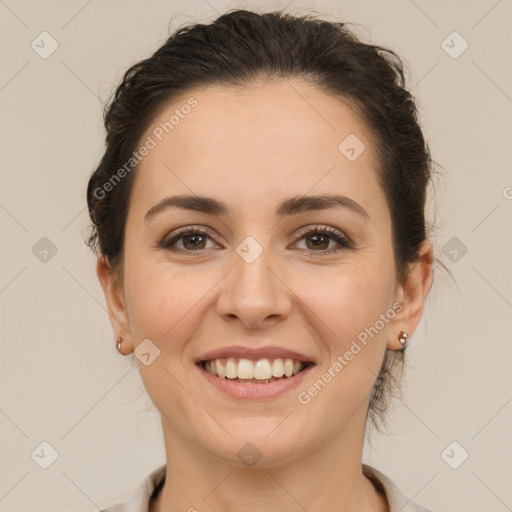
(113, 290)
(412, 294)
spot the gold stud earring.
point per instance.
(402, 338)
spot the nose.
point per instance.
(254, 294)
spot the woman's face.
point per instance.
(257, 171)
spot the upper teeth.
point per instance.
(262, 369)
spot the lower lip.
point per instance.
(246, 390)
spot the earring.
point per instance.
(118, 344)
(402, 338)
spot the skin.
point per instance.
(251, 149)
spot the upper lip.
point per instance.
(237, 351)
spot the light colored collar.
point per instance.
(397, 501)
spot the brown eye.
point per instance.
(319, 240)
(189, 240)
(193, 242)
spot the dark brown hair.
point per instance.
(241, 48)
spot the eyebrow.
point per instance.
(291, 206)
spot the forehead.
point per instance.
(288, 114)
(283, 137)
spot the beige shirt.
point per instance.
(139, 501)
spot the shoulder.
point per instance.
(140, 499)
(397, 501)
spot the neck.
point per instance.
(326, 477)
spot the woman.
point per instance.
(258, 216)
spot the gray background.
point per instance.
(61, 378)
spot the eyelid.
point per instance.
(197, 228)
(344, 240)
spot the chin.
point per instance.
(258, 444)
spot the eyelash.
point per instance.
(333, 234)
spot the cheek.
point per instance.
(347, 299)
(161, 302)
(348, 307)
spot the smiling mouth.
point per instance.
(260, 371)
